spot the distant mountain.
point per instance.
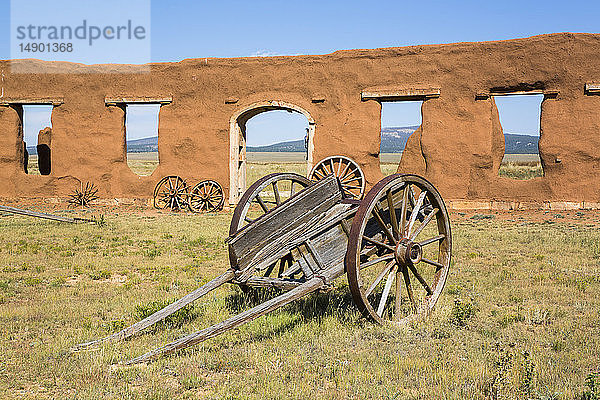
(283, 147)
(393, 140)
(144, 145)
(520, 144)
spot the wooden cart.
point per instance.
(299, 236)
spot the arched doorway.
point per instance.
(237, 142)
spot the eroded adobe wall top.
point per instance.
(458, 147)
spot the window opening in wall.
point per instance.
(37, 138)
(520, 120)
(399, 120)
(141, 135)
(276, 141)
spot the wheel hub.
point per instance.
(408, 252)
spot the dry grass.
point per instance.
(519, 317)
(521, 170)
(142, 164)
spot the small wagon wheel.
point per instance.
(264, 195)
(171, 192)
(400, 234)
(206, 196)
(350, 175)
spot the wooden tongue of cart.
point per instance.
(394, 245)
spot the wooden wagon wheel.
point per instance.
(264, 195)
(206, 196)
(171, 192)
(350, 175)
(400, 234)
(260, 198)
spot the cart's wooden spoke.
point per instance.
(432, 240)
(403, 209)
(376, 260)
(176, 202)
(386, 292)
(398, 300)
(380, 221)
(332, 166)
(427, 219)
(434, 263)
(344, 171)
(379, 277)
(392, 211)
(415, 211)
(378, 243)
(320, 174)
(420, 279)
(276, 192)
(262, 203)
(409, 289)
(349, 193)
(350, 179)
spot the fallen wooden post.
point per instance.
(37, 214)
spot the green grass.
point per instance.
(519, 318)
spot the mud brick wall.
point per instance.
(459, 145)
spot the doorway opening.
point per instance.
(267, 137)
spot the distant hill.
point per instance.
(393, 140)
(144, 145)
(283, 147)
(520, 144)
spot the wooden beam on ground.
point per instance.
(37, 214)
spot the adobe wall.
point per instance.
(458, 147)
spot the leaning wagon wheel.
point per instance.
(350, 175)
(264, 195)
(400, 234)
(206, 196)
(259, 199)
(171, 192)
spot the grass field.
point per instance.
(519, 317)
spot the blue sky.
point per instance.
(188, 29)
